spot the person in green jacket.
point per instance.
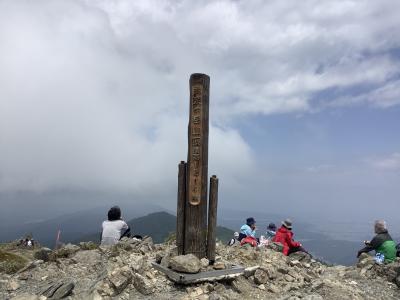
(382, 243)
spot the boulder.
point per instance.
(260, 277)
(300, 257)
(204, 262)
(241, 285)
(188, 263)
(365, 260)
(219, 266)
(63, 291)
(120, 279)
(172, 252)
(143, 285)
(66, 251)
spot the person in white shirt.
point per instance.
(114, 228)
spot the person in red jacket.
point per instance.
(284, 235)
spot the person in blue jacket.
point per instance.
(248, 229)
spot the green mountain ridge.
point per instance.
(159, 226)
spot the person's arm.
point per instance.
(249, 232)
(369, 246)
(126, 231)
(101, 233)
(291, 243)
(366, 249)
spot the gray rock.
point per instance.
(271, 272)
(260, 277)
(88, 257)
(365, 260)
(185, 263)
(250, 271)
(168, 255)
(26, 296)
(204, 262)
(273, 289)
(241, 285)
(300, 256)
(219, 266)
(63, 291)
(88, 245)
(313, 297)
(283, 270)
(50, 289)
(67, 251)
(120, 280)
(317, 284)
(143, 285)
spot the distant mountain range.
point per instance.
(72, 225)
(159, 226)
(156, 222)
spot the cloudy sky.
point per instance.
(305, 100)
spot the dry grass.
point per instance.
(10, 262)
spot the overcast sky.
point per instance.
(305, 100)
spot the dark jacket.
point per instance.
(285, 237)
(382, 243)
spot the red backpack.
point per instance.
(249, 240)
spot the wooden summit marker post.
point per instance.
(197, 166)
(192, 234)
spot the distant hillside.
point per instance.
(72, 225)
(159, 226)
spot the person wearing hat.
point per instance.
(248, 229)
(271, 231)
(284, 236)
(233, 240)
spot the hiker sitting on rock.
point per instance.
(382, 243)
(114, 228)
(247, 233)
(248, 229)
(284, 235)
(271, 232)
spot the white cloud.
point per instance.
(95, 93)
(319, 168)
(390, 163)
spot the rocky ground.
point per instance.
(124, 271)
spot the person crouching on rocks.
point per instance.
(284, 235)
(382, 243)
(114, 228)
(234, 240)
(247, 233)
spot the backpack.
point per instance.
(249, 240)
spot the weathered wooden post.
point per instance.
(212, 218)
(180, 211)
(197, 166)
(193, 236)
